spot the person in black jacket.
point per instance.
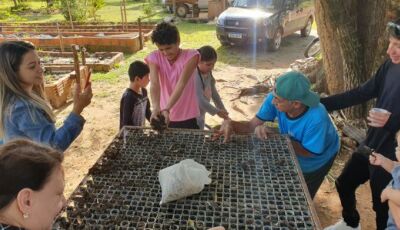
(135, 105)
(384, 86)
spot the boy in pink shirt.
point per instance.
(172, 85)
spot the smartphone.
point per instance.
(366, 150)
(87, 83)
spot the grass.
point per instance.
(37, 12)
(110, 13)
(134, 10)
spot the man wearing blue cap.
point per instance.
(303, 118)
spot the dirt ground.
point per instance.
(102, 121)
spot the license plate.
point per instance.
(234, 35)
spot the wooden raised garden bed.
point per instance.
(99, 61)
(97, 37)
(59, 83)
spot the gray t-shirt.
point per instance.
(206, 90)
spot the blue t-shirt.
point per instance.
(313, 129)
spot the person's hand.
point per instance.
(398, 152)
(385, 194)
(398, 138)
(226, 130)
(378, 160)
(154, 113)
(165, 114)
(378, 117)
(261, 132)
(81, 99)
(223, 114)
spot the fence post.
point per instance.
(61, 38)
(126, 20)
(75, 49)
(122, 16)
(83, 54)
(140, 33)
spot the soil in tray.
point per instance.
(90, 59)
(52, 77)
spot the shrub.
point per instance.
(20, 7)
(94, 6)
(78, 9)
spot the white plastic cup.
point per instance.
(379, 110)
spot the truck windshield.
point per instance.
(264, 4)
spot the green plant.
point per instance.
(22, 6)
(76, 8)
(52, 6)
(10, 16)
(94, 6)
(4, 14)
(147, 9)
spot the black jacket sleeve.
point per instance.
(127, 110)
(368, 90)
(393, 124)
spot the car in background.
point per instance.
(264, 21)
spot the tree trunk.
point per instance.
(331, 58)
(15, 3)
(352, 34)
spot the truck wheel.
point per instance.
(313, 48)
(307, 29)
(182, 10)
(275, 43)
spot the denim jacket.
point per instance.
(40, 129)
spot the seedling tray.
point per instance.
(255, 185)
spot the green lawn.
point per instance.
(134, 10)
(110, 13)
(36, 14)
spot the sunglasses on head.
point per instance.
(394, 28)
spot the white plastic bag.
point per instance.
(182, 179)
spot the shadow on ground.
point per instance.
(252, 56)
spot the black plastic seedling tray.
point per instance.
(256, 184)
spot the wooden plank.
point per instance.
(355, 133)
